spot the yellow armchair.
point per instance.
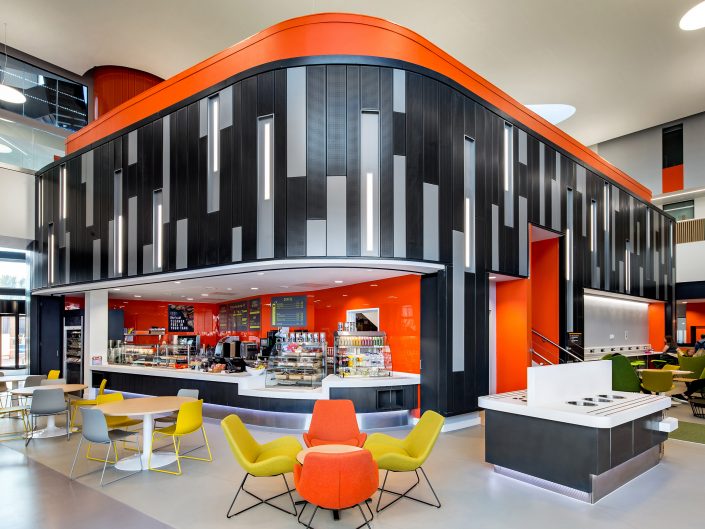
(272, 459)
(406, 455)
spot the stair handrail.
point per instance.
(535, 352)
(566, 351)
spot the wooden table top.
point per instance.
(326, 449)
(144, 406)
(67, 388)
(675, 372)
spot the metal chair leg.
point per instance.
(75, 457)
(260, 501)
(105, 464)
(367, 521)
(308, 525)
(405, 494)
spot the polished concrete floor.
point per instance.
(36, 493)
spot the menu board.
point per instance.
(241, 316)
(180, 318)
(289, 311)
(255, 314)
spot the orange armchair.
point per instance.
(334, 422)
(337, 482)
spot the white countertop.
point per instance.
(630, 407)
(253, 386)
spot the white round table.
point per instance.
(51, 429)
(147, 408)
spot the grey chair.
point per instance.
(95, 430)
(47, 402)
(4, 390)
(34, 380)
(171, 419)
(53, 382)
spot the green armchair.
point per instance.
(624, 378)
(695, 364)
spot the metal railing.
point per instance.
(544, 339)
(692, 230)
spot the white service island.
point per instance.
(570, 433)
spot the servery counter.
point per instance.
(396, 394)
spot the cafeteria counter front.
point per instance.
(381, 402)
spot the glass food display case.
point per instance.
(168, 356)
(362, 354)
(298, 361)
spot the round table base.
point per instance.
(52, 431)
(159, 459)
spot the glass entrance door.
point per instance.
(13, 352)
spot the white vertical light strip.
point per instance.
(157, 228)
(62, 187)
(119, 245)
(41, 202)
(51, 254)
(627, 271)
(216, 133)
(507, 152)
(568, 247)
(369, 236)
(593, 225)
(606, 202)
(267, 160)
(467, 232)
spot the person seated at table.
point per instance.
(699, 348)
(694, 386)
(670, 351)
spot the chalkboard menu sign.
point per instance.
(255, 314)
(180, 318)
(241, 316)
(289, 311)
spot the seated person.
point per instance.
(699, 348)
(695, 386)
(670, 351)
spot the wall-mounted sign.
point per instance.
(180, 318)
(289, 311)
(241, 316)
(255, 314)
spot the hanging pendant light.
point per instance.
(8, 93)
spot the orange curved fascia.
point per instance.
(335, 34)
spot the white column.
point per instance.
(96, 328)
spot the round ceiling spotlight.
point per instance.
(553, 112)
(694, 18)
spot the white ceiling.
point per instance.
(625, 65)
(244, 285)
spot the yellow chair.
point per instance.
(406, 455)
(670, 367)
(658, 382)
(77, 403)
(268, 460)
(53, 374)
(188, 421)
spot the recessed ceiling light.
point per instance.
(694, 18)
(4, 149)
(492, 278)
(260, 273)
(284, 286)
(177, 282)
(115, 290)
(337, 281)
(254, 288)
(685, 303)
(553, 112)
(204, 295)
(210, 288)
(189, 299)
(345, 295)
(373, 285)
(229, 288)
(137, 296)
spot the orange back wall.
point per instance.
(399, 303)
(694, 316)
(113, 85)
(513, 320)
(544, 292)
(657, 325)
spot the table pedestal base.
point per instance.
(159, 459)
(51, 430)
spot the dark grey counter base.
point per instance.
(366, 400)
(577, 461)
